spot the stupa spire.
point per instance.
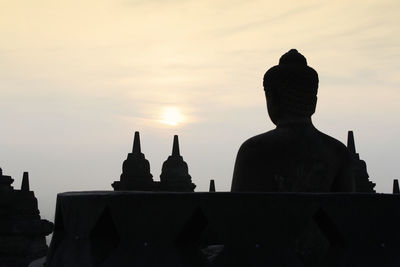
(25, 182)
(212, 186)
(136, 144)
(396, 189)
(175, 146)
(350, 142)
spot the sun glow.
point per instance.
(172, 116)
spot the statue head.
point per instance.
(291, 88)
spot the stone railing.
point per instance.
(225, 229)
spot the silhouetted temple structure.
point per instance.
(225, 229)
(136, 172)
(299, 198)
(22, 231)
(362, 183)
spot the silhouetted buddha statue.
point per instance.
(295, 156)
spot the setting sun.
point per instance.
(172, 116)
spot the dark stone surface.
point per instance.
(22, 232)
(225, 229)
(136, 174)
(294, 157)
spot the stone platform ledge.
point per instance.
(103, 228)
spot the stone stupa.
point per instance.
(135, 171)
(136, 174)
(22, 231)
(175, 174)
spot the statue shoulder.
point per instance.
(335, 145)
(259, 141)
(256, 146)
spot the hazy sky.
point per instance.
(77, 78)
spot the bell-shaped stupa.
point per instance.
(135, 170)
(175, 174)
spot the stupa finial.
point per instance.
(136, 144)
(212, 186)
(175, 147)
(396, 189)
(350, 142)
(25, 182)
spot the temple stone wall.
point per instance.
(225, 229)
